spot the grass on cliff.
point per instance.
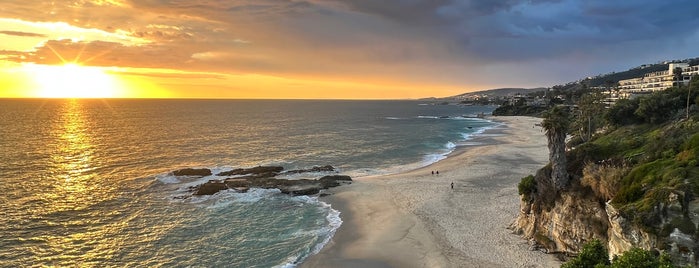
(661, 161)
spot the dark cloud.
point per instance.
(524, 29)
(24, 34)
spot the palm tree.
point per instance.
(677, 76)
(556, 124)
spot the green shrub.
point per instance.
(593, 254)
(527, 187)
(628, 194)
(636, 257)
(622, 113)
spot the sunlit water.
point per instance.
(86, 183)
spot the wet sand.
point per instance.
(415, 219)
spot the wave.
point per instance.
(327, 232)
(427, 117)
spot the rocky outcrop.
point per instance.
(563, 221)
(327, 168)
(334, 180)
(211, 187)
(565, 227)
(264, 177)
(623, 235)
(260, 171)
(192, 172)
(293, 187)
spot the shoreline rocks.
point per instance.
(192, 172)
(264, 177)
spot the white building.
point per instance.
(660, 80)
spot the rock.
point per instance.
(327, 168)
(293, 187)
(574, 220)
(192, 172)
(303, 189)
(334, 180)
(265, 175)
(255, 171)
(237, 183)
(343, 178)
(211, 187)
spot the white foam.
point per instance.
(255, 194)
(427, 117)
(328, 231)
(167, 179)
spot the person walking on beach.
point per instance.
(452, 185)
(432, 172)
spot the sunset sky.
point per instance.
(347, 49)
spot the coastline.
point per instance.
(414, 219)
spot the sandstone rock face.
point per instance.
(192, 172)
(623, 235)
(575, 218)
(565, 227)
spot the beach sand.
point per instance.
(415, 219)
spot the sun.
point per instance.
(72, 81)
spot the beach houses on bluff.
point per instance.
(659, 80)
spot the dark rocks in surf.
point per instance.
(327, 168)
(259, 171)
(292, 187)
(334, 180)
(211, 187)
(192, 172)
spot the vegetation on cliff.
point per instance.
(595, 255)
(635, 167)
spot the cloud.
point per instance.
(102, 53)
(26, 34)
(455, 42)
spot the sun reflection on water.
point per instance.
(72, 159)
(82, 230)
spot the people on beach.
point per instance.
(437, 172)
(452, 185)
(432, 172)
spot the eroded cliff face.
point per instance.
(562, 222)
(622, 235)
(565, 226)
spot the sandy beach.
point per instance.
(415, 219)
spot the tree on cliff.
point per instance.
(590, 117)
(556, 124)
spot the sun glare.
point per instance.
(72, 81)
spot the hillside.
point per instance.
(497, 92)
(610, 79)
(632, 185)
(603, 80)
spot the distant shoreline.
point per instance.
(414, 219)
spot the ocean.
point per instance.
(88, 182)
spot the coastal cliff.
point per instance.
(635, 192)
